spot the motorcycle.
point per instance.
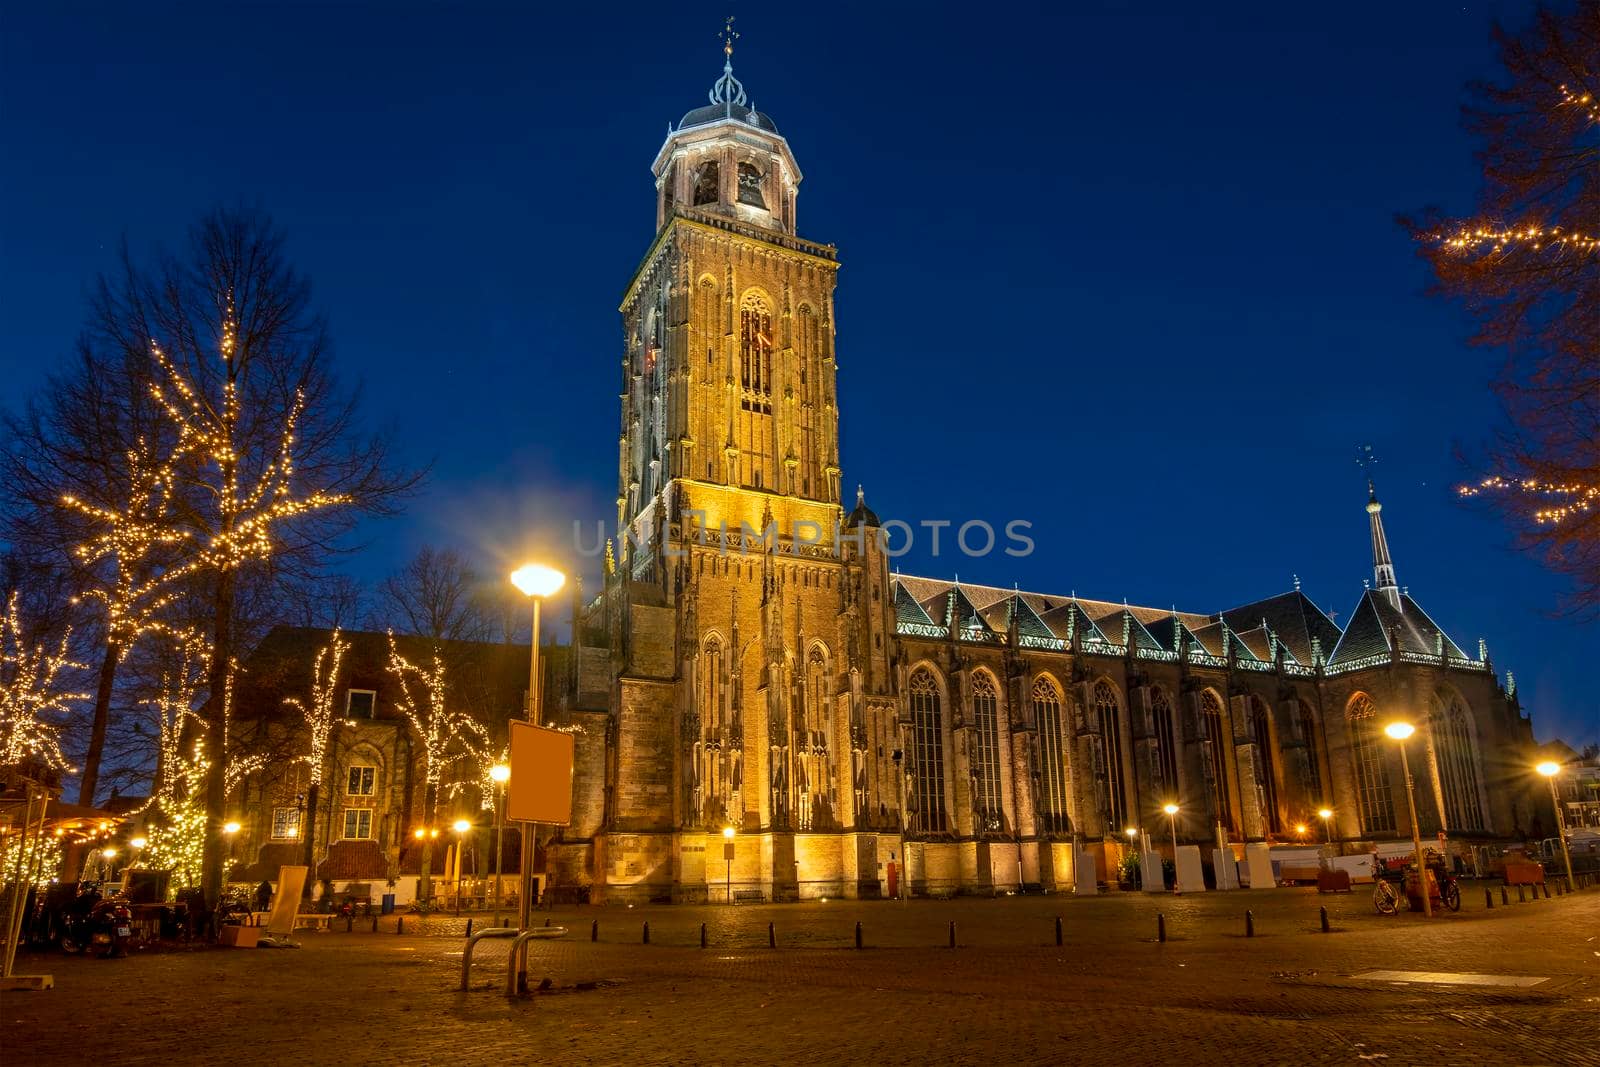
(95, 921)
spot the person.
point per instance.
(894, 878)
(263, 895)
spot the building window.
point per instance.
(927, 737)
(357, 824)
(1108, 757)
(705, 183)
(755, 348)
(1373, 798)
(750, 186)
(1166, 750)
(1267, 777)
(987, 808)
(359, 703)
(1053, 817)
(1308, 731)
(1217, 757)
(1457, 761)
(285, 824)
(816, 762)
(362, 781)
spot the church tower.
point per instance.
(748, 618)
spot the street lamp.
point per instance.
(1399, 731)
(460, 826)
(535, 581)
(1172, 821)
(1549, 768)
(727, 855)
(500, 774)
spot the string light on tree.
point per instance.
(31, 692)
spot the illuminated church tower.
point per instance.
(746, 619)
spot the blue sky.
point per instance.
(1129, 272)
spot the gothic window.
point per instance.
(711, 709)
(1308, 730)
(705, 183)
(1217, 756)
(986, 753)
(1457, 761)
(1267, 784)
(1166, 749)
(755, 348)
(927, 737)
(1053, 808)
(750, 186)
(1373, 798)
(1108, 762)
(816, 808)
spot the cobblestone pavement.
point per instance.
(1110, 993)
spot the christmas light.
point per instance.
(447, 736)
(319, 714)
(30, 692)
(1576, 500)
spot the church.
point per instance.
(764, 709)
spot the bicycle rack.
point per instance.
(466, 955)
(519, 951)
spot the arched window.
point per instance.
(986, 804)
(927, 739)
(1373, 798)
(705, 183)
(1267, 775)
(755, 348)
(1053, 785)
(1166, 748)
(1217, 757)
(750, 186)
(1457, 761)
(1308, 731)
(1108, 757)
(816, 803)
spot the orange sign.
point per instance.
(540, 789)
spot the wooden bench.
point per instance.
(314, 921)
(749, 896)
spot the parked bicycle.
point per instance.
(1395, 885)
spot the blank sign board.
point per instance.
(540, 789)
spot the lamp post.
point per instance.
(535, 581)
(1549, 768)
(499, 774)
(1172, 821)
(727, 854)
(460, 826)
(1399, 731)
(1327, 836)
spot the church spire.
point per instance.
(1382, 565)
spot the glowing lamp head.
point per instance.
(1131, 832)
(1549, 768)
(109, 853)
(535, 579)
(1399, 730)
(138, 842)
(461, 826)
(500, 773)
(727, 832)
(1324, 813)
(230, 827)
(1300, 828)
(419, 833)
(433, 833)
(1170, 809)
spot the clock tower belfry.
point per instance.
(728, 370)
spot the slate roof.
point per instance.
(714, 113)
(1375, 625)
(1293, 618)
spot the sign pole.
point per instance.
(524, 897)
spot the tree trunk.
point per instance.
(309, 857)
(430, 800)
(211, 869)
(97, 732)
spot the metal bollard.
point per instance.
(400, 925)
(1161, 928)
(1520, 898)
(1488, 900)
(469, 927)
(1505, 896)
(858, 933)
(1058, 930)
(646, 940)
(772, 937)
(952, 933)
(1546, 887)
(350, 923)
(1249, 923)
(594, 930)
(1324, 914)
(547, 922)
(374, 924)
(702, 935)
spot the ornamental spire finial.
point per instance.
(1382, 564)
(728, 35)
(728, 91)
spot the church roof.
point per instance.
(1293, 618)
(727, 112)
(1377, 628)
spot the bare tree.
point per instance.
(319, 714)
(1527, 267)
(437, 595)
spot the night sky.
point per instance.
(1127, 273)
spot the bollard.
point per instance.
(1505, 896)
(952, 933)
(1058, 931)
(1488, 899)
(858, 934)
(350, 924)
(1520, 898)
(646, 940)
(400, 925)
(374, 924)
(772, 937)
(469, 927)
(1249, 923)
(1324, 912)
(1546, 887)
(594, 930)
(1161, 928)
(702, 935)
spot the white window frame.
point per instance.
(373, 693)
(350, 780)
(290, 815)
(357, 813)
